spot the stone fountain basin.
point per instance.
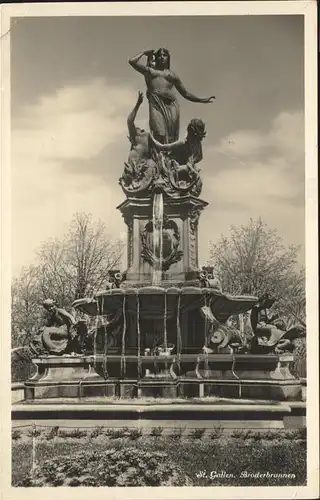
(154, 302)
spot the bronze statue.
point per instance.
(151, 163)
(270, 333)
(208, 279)
(140, 166)
(188, 150)
(180, 159)
(221, 337)
(139, 138)
(163, 106)
(59, 334)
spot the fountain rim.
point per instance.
(161, 291)
(175, 200)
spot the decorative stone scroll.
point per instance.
(171, 241)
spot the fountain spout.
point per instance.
(157, 220)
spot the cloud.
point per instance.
(72, 125)
(259, 173)
(285, 137)
(256, 165)
(68, 151)
(286, 127)
(75, 122)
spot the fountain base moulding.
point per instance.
(263, 377)
(67, 377)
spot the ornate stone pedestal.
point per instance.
(67, 377)
(180, 239)
(166, 389)
(242, 376)
(221, 375)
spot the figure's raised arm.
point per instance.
(69, 319)
(138, 66)
(131, 118)
(186, 94)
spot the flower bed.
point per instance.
(130, 458)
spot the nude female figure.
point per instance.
(140, 163)
(161, 82)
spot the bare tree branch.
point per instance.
(253, 260)
(68, 269)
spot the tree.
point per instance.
(78, 265)
(292, 304)
(25, 310)
(252, 260)
(75, 266)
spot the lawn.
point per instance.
(237, 458)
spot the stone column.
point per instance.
(180, 227)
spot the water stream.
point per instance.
(105, 323)
(95, 336)
(165, 335)
(123, 346)
(179, 339)
(206, 336)
(157, 220)
(139, 337)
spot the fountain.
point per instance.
(162, 328)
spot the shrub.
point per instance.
(22, 367)
(34, 431)
(197, 433)
(52, 433)
(124, 432)
(281, 434)
(293, 434)
(241, 433)
(96, 431)
(177, 433)
(269, 435)
(246, 434)
(289, 434)
(135, 434)
(302, 433)
(156, 431)
(257, 436)
(118, 433)
(299, 366)
(216, 432)
(126, 467)
(16, 434)
(73, 433)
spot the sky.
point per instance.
(72, 90)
